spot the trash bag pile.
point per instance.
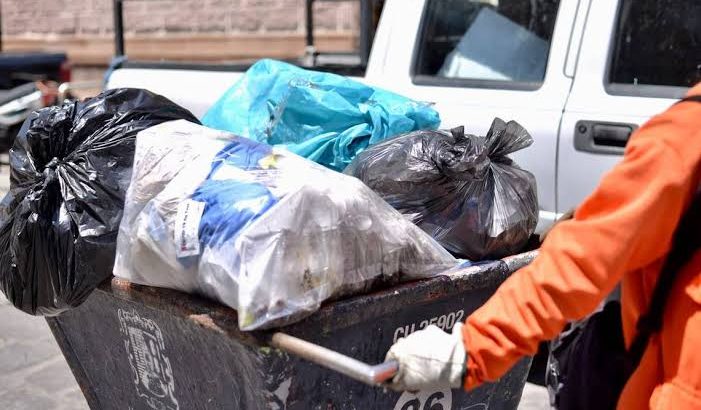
(258, 228)
(461, 189)
(324, 117)
(70, 168)
(130, 177)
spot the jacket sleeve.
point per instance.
(627, 223)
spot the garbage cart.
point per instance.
(137, 347)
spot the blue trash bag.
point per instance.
(324, 117)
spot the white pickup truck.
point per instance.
(580, 75)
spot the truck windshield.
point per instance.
(498, 40)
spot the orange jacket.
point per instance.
(622, 231)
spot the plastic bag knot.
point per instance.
(49, 174)
(53, 164)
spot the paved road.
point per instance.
(35, 376)
(33, 373)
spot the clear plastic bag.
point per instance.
(258, 228)
(461, 189)
(70, 168)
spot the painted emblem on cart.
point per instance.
(153, 375)
(426, 400)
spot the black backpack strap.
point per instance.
(696, 98)
(685, 242)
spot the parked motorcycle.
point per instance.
(17, 103)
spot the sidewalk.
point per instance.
(33, 373)
(4, 174)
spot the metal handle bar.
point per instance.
(355, 369)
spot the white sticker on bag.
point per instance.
(187, 226)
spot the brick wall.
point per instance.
(193, 30)
(56, 18)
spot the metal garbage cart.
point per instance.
(137, 347)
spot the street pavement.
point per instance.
(35, 376)
(33, 373)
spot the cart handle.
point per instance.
(355, 369)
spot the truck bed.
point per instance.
(198, 86)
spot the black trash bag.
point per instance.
(461, 189)
(70, 168)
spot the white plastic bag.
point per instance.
(257, 228)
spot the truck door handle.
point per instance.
(611, 135)
(598, 137)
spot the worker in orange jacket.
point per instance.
(622, 231)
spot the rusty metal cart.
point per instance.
(135, 347)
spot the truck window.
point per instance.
(656, 45)
(487, 43)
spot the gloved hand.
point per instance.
(429, 358)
